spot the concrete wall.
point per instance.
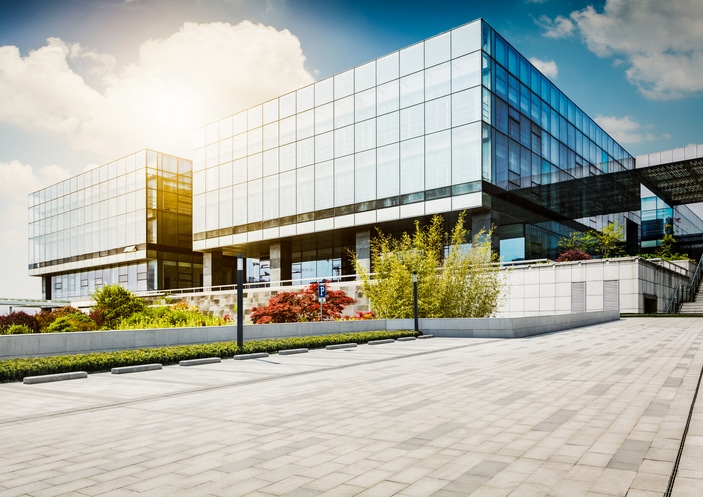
(531, 289)
(551, 288)
(46, 344)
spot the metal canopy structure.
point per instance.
(676, 183)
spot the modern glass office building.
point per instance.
(127, 222)
(460, 121)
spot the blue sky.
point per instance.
(83, 82)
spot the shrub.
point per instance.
(113, 303)
(172, 316)
(19, 317)
(72, 322)
(17, 369)
(18, 329)
(573, 255)
(45, 317)
(292, 307)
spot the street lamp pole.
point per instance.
(240, 301)
(417, 326)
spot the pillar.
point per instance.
(281, 263)
(212, 269)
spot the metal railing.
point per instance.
(686, 292)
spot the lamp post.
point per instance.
(417, 327)
(240, 301)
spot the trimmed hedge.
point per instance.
(17, 369)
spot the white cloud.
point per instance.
(659, 41)
(559, 27)
(547, 67)
(17, 181)
(624, 130)
(195, 76)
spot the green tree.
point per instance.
(463, 282)
(72, 322)
(113, 303)
(607, 242)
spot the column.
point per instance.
(281, 263)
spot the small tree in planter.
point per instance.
(573, 255)
(293, 307)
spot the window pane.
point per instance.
(388, 129)
(254, 166)
(270, 200)
(324, 186)
(306, 152)
(412, 89)
(344, 181)
(437, 50)
(306, 189)
(437, 81)
(387, 68)
(412, 165)
(324, 91)
(324, 147)
(437, 115)
(365, 176)
(365, 135)
(466, 39)
(306, 124)
(287, 105)
(365, 105)
(255, 211)
(411, 59)
(254, 117)
(466, 153)
(324, 115)
(365, 76)
(271, 135)
(388, 171)
(271, 111)
(344, 84)
(271, 162)
(344, 112)
(344, 141)
(305, 98)
(438, 158)
(466, 72)
(412, 122)
(388, 97)
(466, 107)
(287, 194)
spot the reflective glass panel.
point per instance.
(412, 59)
(365, 176)
(412, 165)
(365, 76)
(387, 68)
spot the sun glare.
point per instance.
(173, 110)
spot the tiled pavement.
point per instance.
(596, 411)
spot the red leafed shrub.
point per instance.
(19, 318)
(293, 307)
(573, 255)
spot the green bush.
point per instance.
(17, 369)
(113, 303)
(18, 329)
(72, 322)
(173, 316)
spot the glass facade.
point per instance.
(658, 219)
(126, 222)
(448, 124)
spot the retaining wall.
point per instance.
(46, 344)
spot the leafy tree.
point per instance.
(607, 242)
(666, 248)
(464, 282)
(19, 318)
(292, 307)
(113, 303)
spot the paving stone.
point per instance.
(596, 411)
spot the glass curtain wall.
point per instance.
(87, 231)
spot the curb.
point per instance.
(406, 339)
(340, 346)
(196, 362)
(292, 351)
(136, 369)
(256, 355)
(425, 336)
(380, 342)
(74, 375)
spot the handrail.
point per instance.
(686, 292)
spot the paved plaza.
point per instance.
(595, 411)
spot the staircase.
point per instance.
(685, 298)
(694, 307)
